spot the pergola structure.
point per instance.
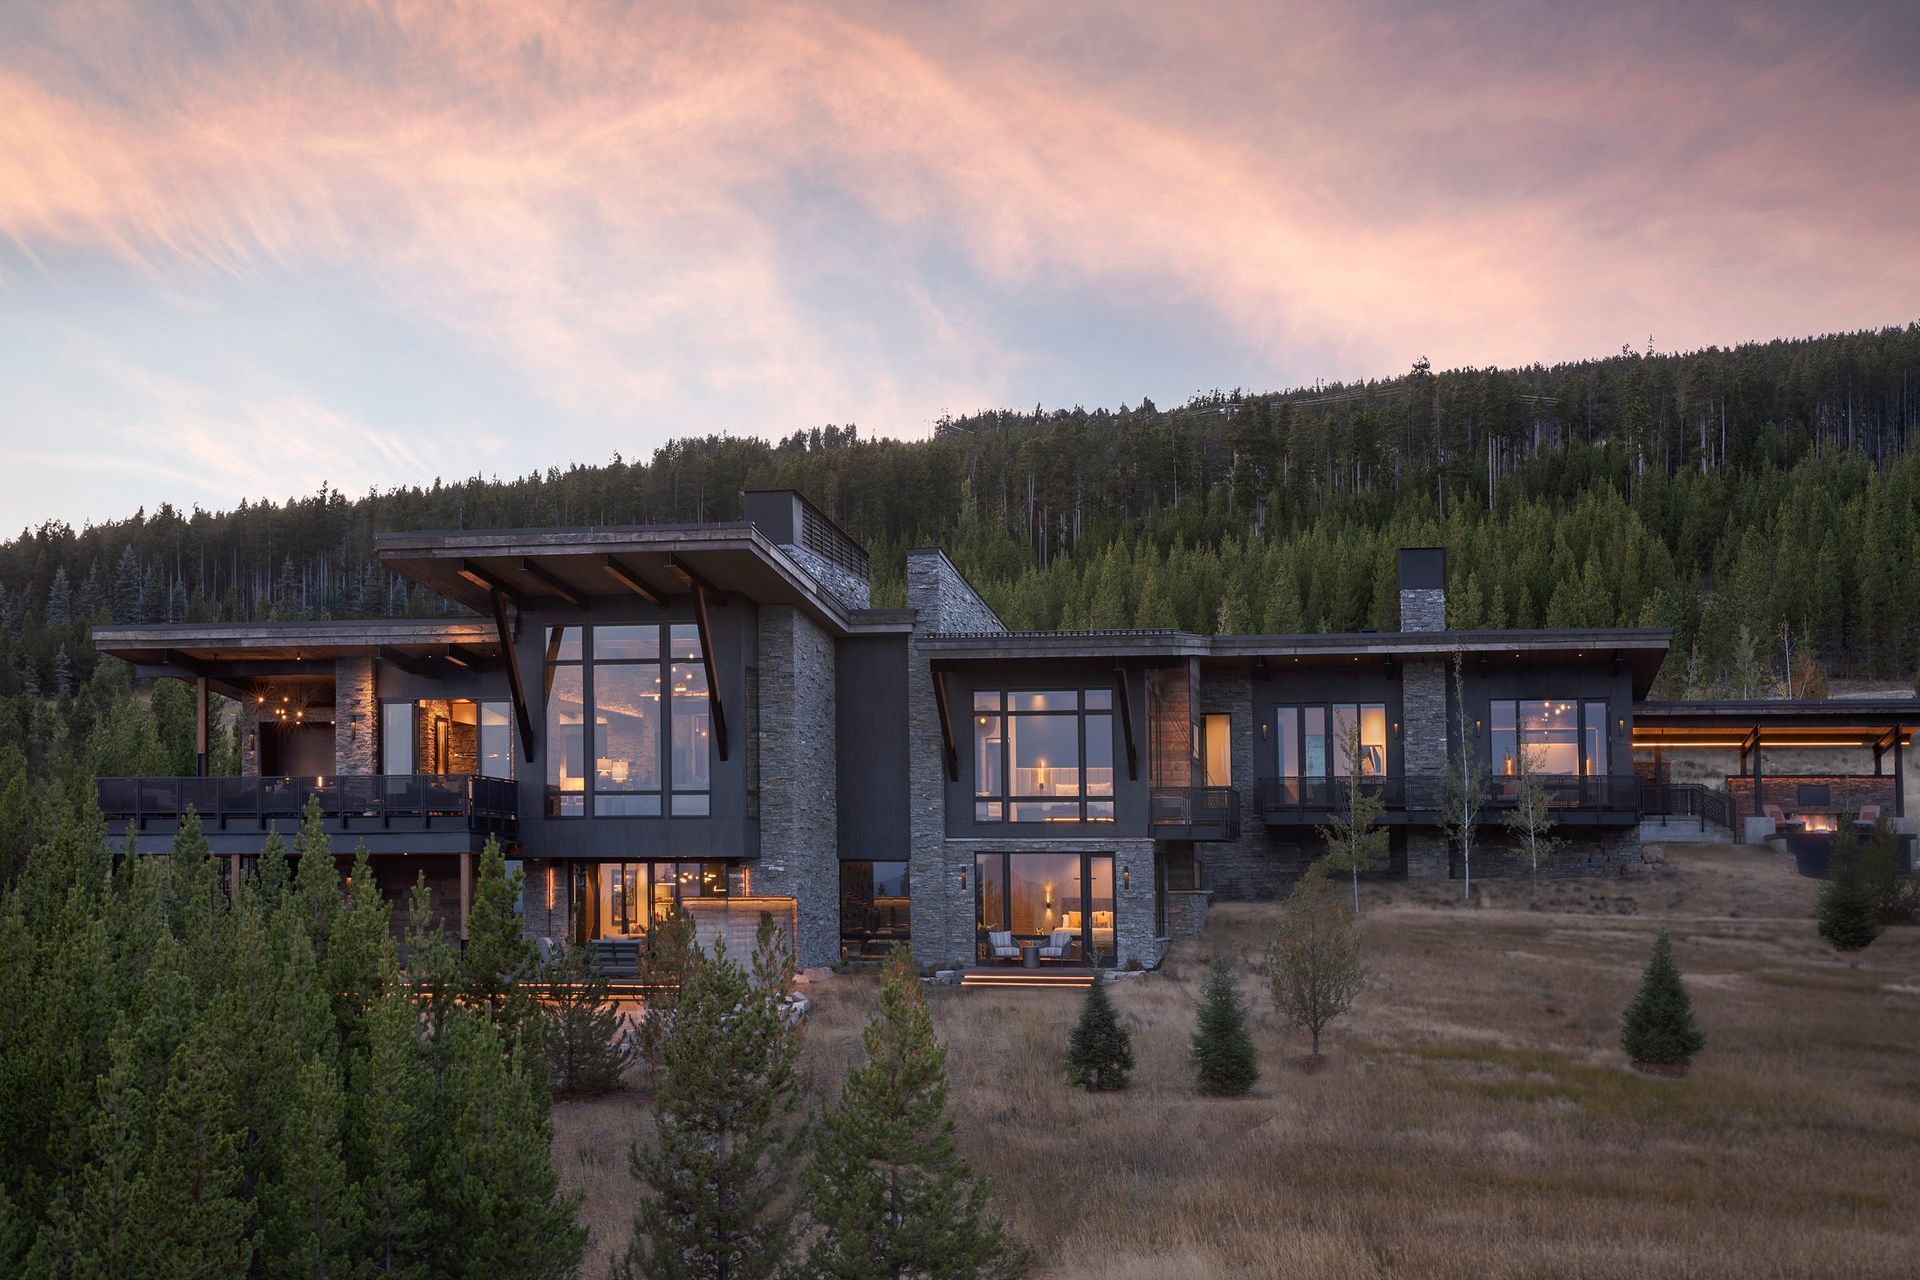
(1883, 726)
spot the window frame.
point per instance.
(1582, 729)
(670, 798)
(997, 808)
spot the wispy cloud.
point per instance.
(673, 219)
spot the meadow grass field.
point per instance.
(1474, 1116)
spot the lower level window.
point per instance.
(1044, 908)
(874, 907)
(622, 899)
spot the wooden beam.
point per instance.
(529, 748)
(718, 711)
(628, 579)
(407, 662)
(487, 580)
(466, 883)
(462, 656)
(951, 754)
(694, 580)
(1126, 724)
(555, 587)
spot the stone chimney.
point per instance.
(802, 530)
(1423, 589)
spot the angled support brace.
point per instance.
(948, 751)
(1126, 724)
(481, 576)
(714, 704)
(529, 748)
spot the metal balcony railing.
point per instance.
(1423, 793)
(1194, 813)
(348, 802)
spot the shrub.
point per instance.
(1849, 916)
(1896, 897)
(1315, 958)
(1099, 1050)
(1659, 1030)
(1223, 1057)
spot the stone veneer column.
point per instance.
(799, 825)
(941, 912)
(1423, 752)
(546, 904)
(355, 741)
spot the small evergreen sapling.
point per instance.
(589, 1042)
(1848, 912)
(888, 1188)
(1659, 1032)
(1223, 1057)
(1099, 1050)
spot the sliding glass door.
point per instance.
(1058, 903)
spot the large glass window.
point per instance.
(622, 899)
(496, 740)
(1059, 906)
(396, 737)
(1043, 756)
(874, 906)
(1216, 751)
(1547, 736)
(652, 737)
(566, 727)
(1317, 741)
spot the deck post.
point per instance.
(233, 876)
(1899, 778)
(200, 725)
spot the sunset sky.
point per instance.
(248, 249)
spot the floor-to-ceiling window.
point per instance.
(622, 899)
(1548, 736)
(643, 687)
(1049, 901)
(1043, 756)
(1315, 746)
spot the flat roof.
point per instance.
(290, 641)
(1805, 721)
(1642, 649)
(540, 566)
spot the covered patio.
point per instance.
(1799, 765)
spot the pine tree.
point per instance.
(589, 1043)
(187, 1208)
(498, 957)
(314, 1211)
(497, 1199)
(1223, 1056)
(668, 956)
(1659, 1031)
(1099, 1050)
(388, 1140)
(1848, 914)
(726, 1133)
(888, 1188)
(1315, 958)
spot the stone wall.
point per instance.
(1423, 752)
(249, 739)
(1423, 609)
(1187, 913)
(355, 740)
(850, 589)
(546, 904)
(943, 600)
(799, 823)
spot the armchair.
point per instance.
(1059, 946)
(1001, 946)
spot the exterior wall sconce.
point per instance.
(963, 879)
(1263, 731)
(1126, 879)
(1396, 729)
(1476, 728)
(353, 724)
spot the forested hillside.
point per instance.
(1725, 493)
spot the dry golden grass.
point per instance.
(1476, 1117)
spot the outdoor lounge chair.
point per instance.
(1059, 946)
(1002, 946)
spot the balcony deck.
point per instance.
(397, 813)
(1418, 799)
(1194, 813)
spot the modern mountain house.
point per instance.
(713, 716)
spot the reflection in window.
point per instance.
(1043, 756)
(652, 721)
(1547, 736)
(875, 898)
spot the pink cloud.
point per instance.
(601, 194)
